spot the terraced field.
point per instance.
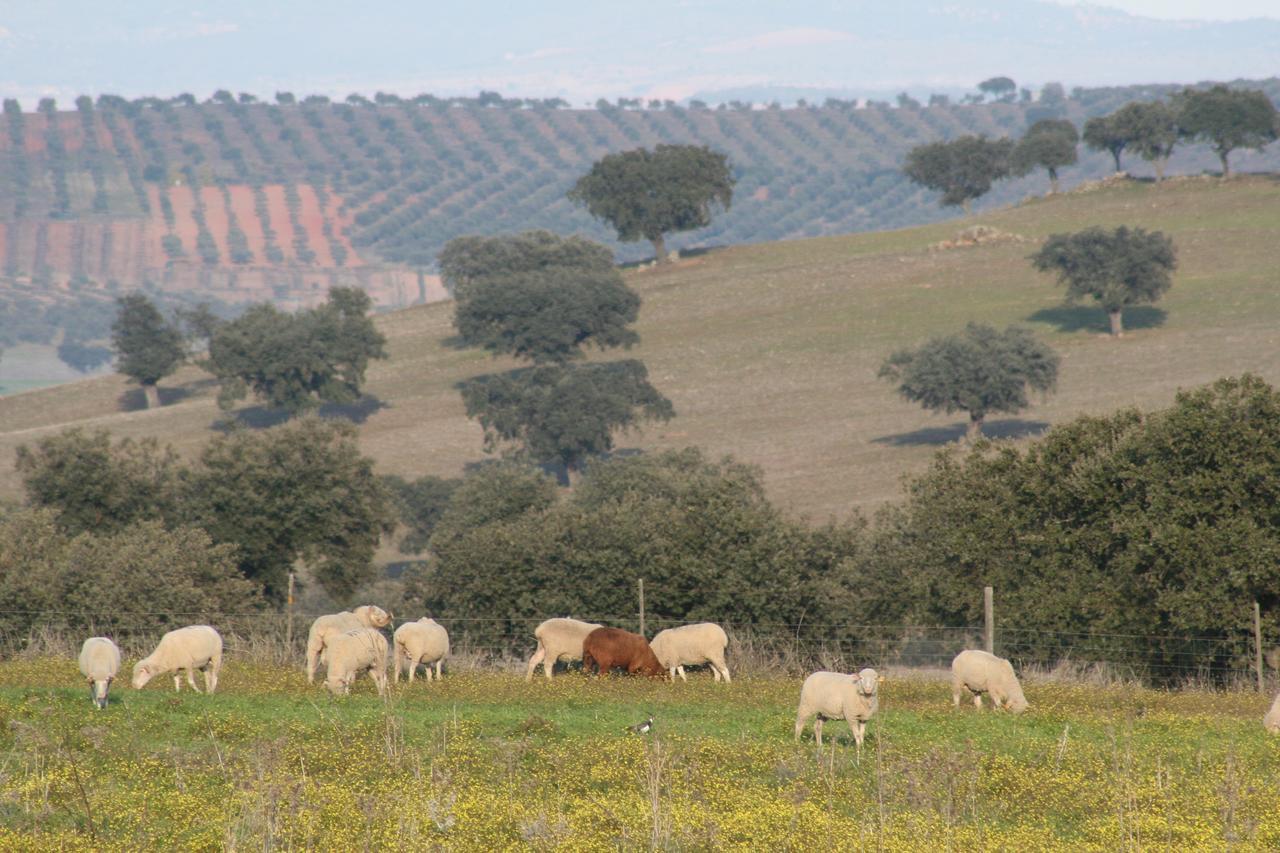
(169, 190)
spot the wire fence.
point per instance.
(1167, 660)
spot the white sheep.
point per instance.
(836, 696)
(191, 648)
(425, 641)
(365, 616)
(353, 652)
(558, 639)
(982, 672)
(99, 662)
(690, 645)
(1271, 722)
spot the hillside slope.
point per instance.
(253, 200)
(770, 352)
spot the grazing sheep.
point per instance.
(425, 641)
(690, 645)
(191, 648)
(836, 696)
(982, 672)
(365, 616)
(608, 648)
(353, 652)
(1271, 722)
(558, 639)
(99, 662)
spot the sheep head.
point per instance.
(868, 681)
(141, 675)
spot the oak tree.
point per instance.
(962, 169)
(1127, 266)
(979, 371)
(647, 194)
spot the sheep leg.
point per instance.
(313, 659)
(859, 729)
(538, 656)
(955, 694)
(380, 679)
(719, 668)
(177, 682)
(587, 662)
(191, 678)
(211, 674)
(680, 669)
(817, 731)
(439, 664)
(977, 701)
(801, 719)
(411, 664)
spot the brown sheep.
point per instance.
(607, 648)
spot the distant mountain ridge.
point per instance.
(582, 51)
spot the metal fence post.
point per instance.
(288, 618)
(642, 633)
(988, 620)
(1257, 643)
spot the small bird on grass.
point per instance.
(641, 728)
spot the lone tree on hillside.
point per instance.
(1002, 89)
(649, 194)
(1118, 268)
(466, 259)
(296, 361)
(978, 371)
(563, 414)
(538, 296)
(547, 316)
(1227, 119)
(148, 347)
(1104, 133)
(544, 299)
(1151, 129)
(962, 169)
(1049, 143)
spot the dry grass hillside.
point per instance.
(770, 352)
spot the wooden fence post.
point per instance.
(988, 620)
(642, 633)
(288, 617)
(1257, 643)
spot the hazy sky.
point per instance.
(584, 49)
(1208, 10)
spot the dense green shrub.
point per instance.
(112, 582)
(701, 533)
(1152, 525)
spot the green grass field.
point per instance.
(770, 352)
(484, 761)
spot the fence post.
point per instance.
(1257, 643)
(288, 616)
(642, 633)
(988, 620)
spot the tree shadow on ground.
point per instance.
(265, 417)
(1084, 318)
(134, 400)
(1006, 428)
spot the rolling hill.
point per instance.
(770, 352)
(240, 200)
